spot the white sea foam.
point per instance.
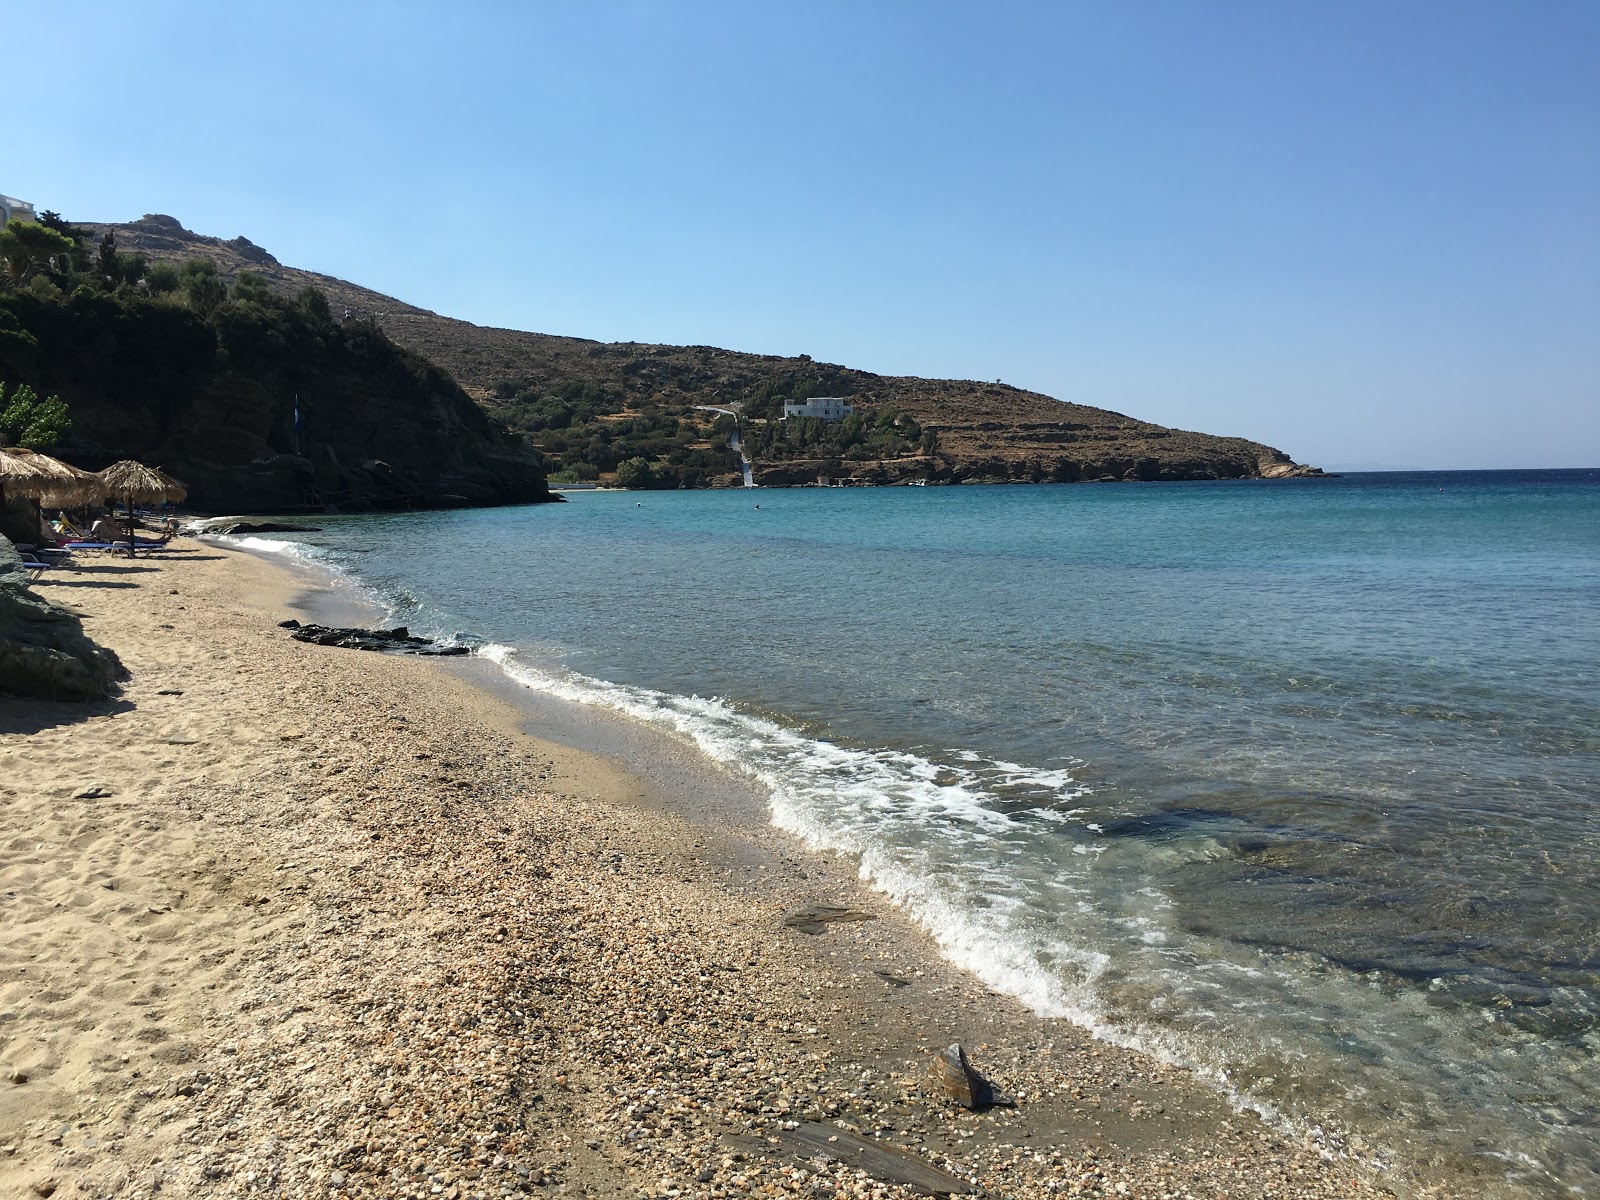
(263, 545)
(933, 837)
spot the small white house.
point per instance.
(824, 408)
(12, 209)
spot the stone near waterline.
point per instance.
(952, 1076)
(815, 918)
(392, 641)
(883, 1161)
(238, 525)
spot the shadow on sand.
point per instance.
(26, 715)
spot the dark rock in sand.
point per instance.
(881, 1160)
(43, 650)
(952, 1075)
(390, 641)
(814, 918)
(233, 525)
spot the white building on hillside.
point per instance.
(12, 209)
(824, 408)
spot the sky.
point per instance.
(1365, 233)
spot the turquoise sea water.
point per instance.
(1295, 782)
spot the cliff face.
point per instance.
(379, 426)
(983, 432)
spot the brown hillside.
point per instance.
(982, 431)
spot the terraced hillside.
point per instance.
(596, 408)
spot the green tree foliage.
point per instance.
(53, 220)
(202, 289)
(252, 286)
(865, 434)
(161, 279)
(79, 255)
(116, 269)
(311, 302)
(147, 359)
(636, 473)
(26, 420)
(28, 248)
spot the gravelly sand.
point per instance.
(335, 927)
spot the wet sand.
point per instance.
(291, 920)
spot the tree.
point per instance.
(78, 260)
(106, 266)
(635, 473)
(251, 285)
(26, 420)
(27, 247)
(161, 279)
(201, 287)
(51, 219)
(117, 270)
(310, 301)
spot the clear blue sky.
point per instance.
(1362, 232)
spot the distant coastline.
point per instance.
(657, 416)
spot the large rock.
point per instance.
(43, 650)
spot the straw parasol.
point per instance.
(48, 480)
(44, 480)
(16, 472)
(134, 481)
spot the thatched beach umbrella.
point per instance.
(135, 481)
(17, 475)
(16, 471)
(53, 481)
(44, 480)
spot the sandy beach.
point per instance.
(287, 920)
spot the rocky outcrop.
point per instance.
(43, 650)
(384, 641)
(248, 421)
(236, 526)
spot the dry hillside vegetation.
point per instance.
(594, 407)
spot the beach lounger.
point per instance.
(121, 545)
(39, 561)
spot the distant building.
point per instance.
(824, 408)
(12, 209)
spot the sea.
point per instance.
(1295, 783)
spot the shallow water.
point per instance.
(1294, 782)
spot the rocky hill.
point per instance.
(255, 400)
(589, 406)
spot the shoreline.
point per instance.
(417, 942)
